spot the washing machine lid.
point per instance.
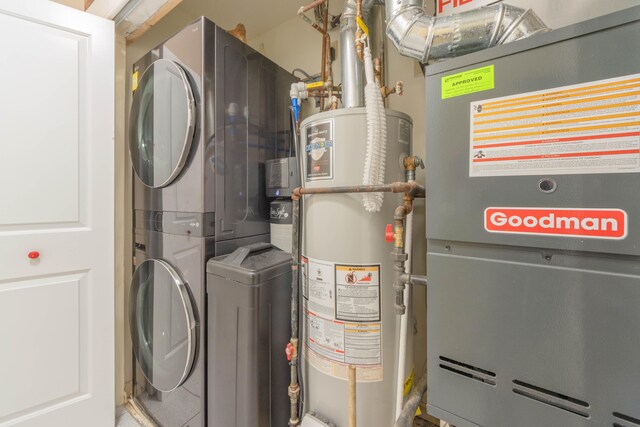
(164, 330)
(162, 123)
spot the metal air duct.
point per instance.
(352, 69)
(430, 39)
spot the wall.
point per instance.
(123, 235)
(76, 4)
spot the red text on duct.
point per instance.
(586, 223)
(447, 7)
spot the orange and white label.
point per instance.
(585, 223)
(341, 311)
(581, 129)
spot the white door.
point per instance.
(56, 216)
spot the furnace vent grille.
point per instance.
(549, 397)
(469, 371)
(625, 420)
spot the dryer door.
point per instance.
(163, 324)
(162, 123)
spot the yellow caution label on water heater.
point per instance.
(472, 81)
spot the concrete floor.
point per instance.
(125, 419)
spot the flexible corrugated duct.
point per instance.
(429, 39)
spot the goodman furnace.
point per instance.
(533, 228)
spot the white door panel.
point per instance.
(46, 107)
(56, 198)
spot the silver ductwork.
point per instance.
(430, 39)
(352, 69)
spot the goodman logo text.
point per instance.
(568, 222)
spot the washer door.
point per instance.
(163, 325)
(162, 123)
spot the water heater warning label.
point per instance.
(319, 151)
(581, 129)
(358, 293)
(341, 306)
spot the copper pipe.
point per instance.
(377, 69)
(326, 70)
(414, 189)
(311, 5)
(323, 65)
(306, 19)
(359, 32)
(352, 396)
(294, 387)
(329, 62)
(334, 102)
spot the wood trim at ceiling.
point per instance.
(153, 20)
(87, 3)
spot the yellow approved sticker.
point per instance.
(472, 81)
(134, 81)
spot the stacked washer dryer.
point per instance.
(207, 113)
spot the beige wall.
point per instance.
(123, 235)
(76, 4)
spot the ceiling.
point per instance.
(257, 16)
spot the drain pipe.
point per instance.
(413, 401)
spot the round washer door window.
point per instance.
(162, 123)
(163, 325)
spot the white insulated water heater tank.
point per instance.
(347, 277)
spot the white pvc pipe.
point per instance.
(404, 320)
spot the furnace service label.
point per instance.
(341, 309)
(581, 129)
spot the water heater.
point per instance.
(347, 271)
(533, 228)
